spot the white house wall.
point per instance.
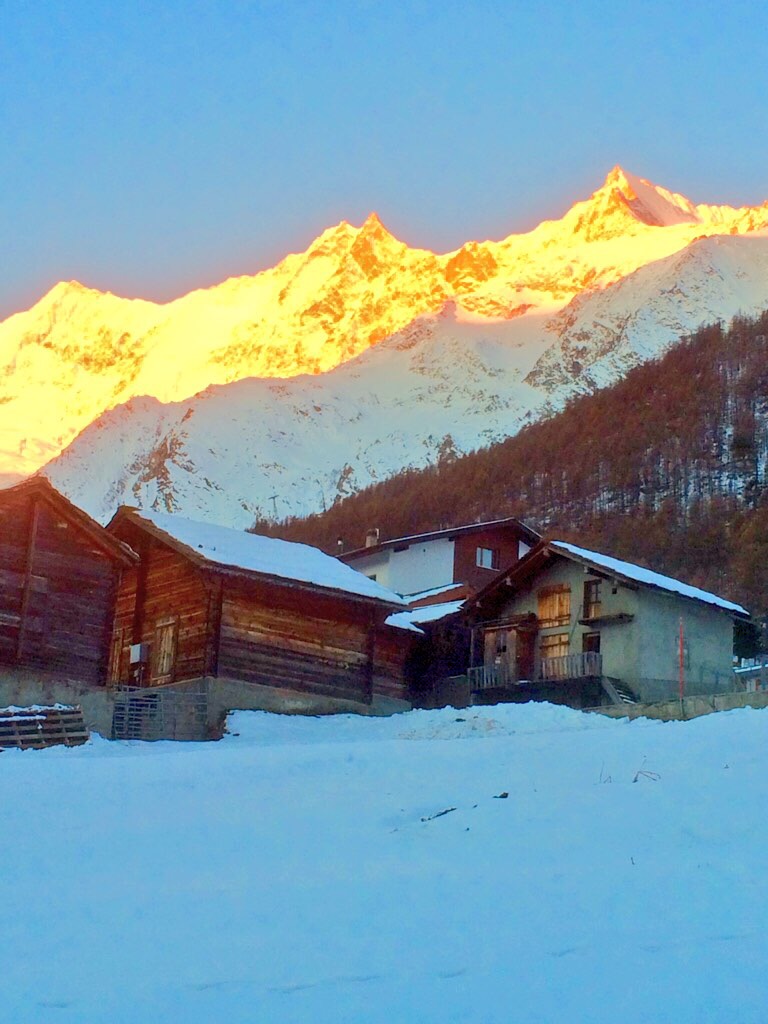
(418, 567)
(375, 566)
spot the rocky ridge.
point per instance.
(79, 353)
(443, 385)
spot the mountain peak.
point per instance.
(617, 177)
(373, 227)
(68, 290)
(624, 200)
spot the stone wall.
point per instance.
(689, 707)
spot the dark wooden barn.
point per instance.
(210, 602)
(59, 574)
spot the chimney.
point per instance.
(372, 538)
(340, 546)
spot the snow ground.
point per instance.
(300, 873)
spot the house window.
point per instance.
(554, 605)
(488, 558)
(592, 599)
(165, 650)
(590, 642)
(554, 646)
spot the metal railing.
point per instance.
(559, 669)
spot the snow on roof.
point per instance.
(254, 553)
(646, 576)
(418, 616)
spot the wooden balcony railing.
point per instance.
(560, 669)
(571, 666)
(492, 677)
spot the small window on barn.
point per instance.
(488, 558)
(164, 649)
(554, 605)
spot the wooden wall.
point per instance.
(295, 639)
(57, 591)
(393, 662)
(165, 589)
(252, 630)
(504, 539)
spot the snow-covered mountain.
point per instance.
(446, 383)
(79, 352)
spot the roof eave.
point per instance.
(78, 517)
(468, 528)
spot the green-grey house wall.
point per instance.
(642, 652)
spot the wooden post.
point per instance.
(370, 662)
(105, 669)
(27, 585)
(682, 665)
(142, 570)
(213, 627)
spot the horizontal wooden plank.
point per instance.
(275, 668)
(31, 728)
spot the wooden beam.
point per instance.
(213, 625)
(141, 589)
(27, 585)
(370, 663)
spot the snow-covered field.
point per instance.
(302, 871)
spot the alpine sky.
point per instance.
(152, 148)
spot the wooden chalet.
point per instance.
(208, 602)
(59, 575)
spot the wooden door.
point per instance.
(500, 654)
(526, 646)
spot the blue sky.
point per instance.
(150, 148)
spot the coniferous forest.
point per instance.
(666, 468)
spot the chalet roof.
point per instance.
(614, 568)
(450, 533)
(224, 548)
(41, 487)
(416, 617)
(424, 595)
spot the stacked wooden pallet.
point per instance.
(38, 726)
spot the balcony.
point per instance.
(571, 666)
(565, 668)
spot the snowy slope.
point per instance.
(600, 335)
(447, 383)
(79, 352)
(304, 871)
(439, 386)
